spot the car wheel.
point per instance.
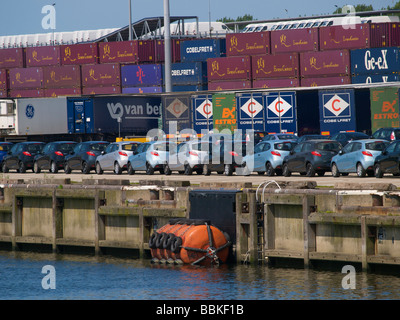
(167, 169)
(285, 170)
(378, 171)
(149, 169)
(67, 169)
(130, 169)
(4, 168)
(228, 170)
(335, 170)
(206, 170)
(53, 167)
(22, 168)
(36, 168)
(360, 170)
(310, 171)
(99, 170)
(269, 169)
(117, 168)
(85, 168)
(188, 170)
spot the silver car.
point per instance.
(187, 157)
(149, 157)
(268, 157)
(358, 157)
(115, 157)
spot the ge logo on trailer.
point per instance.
(29, 111)
(336, 105)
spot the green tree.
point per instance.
(358, 8)
(246, 17)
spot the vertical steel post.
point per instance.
(130, 20)
(167, 47)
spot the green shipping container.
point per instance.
(224, 112)
(384, 108)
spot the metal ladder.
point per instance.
(260, 232)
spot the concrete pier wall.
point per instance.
(352, 223)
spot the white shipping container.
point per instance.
(41, 116)
(6, 115)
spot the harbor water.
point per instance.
(25, 276)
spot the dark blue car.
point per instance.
(4, 148)
(53, 156)
(21, 156)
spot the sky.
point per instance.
(25, 16)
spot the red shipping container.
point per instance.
(241, 44)
(275, 66)
(229, 85)
(379, 35)
(276, 83)
(26, 78)
(119, 51)
(337, 37)
(42, 56)
(101, 90)
(394, 34)
(58, 92)
(3, 79)
(146, 50)
(12, 58)
(78, 54)
(229, 68)
(160, 50)
(300, 40)
(106, 75)
(325, 63)
(27, 93)
(62, 77)
(325, 81)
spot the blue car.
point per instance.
(358, 157)
(268, 157)
(4, 148)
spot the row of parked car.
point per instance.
(280, 154)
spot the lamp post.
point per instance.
(130, 20)
(167, 47)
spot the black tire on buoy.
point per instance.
(176, 244)
(152, 241)
(160, 240)
(168, 241)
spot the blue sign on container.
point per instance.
(189, 73)
(375, 78)
(375, 60)
(201, 50)
(280, 112)
(337, 111)
(203, 113)
(141, 75)
(250, 111)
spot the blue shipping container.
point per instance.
(142, 89)
(141, 75)
(280, 112)
(250, 111)
(190, 88)
(189, 73)
(202, 113)
(201, 50)
(375, 60)
(138, 114)
(375, 78)
(337, 111)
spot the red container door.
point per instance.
(118, 52)
(229, 68)
(395, 34)
(146, 50)
(242, 44)
(380, 35)
(301, 40)
(3, 80)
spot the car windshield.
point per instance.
(328, 146)
(66, 147)
(98, 146)
(377, 145)
(6, 147)
(36, 147)
(284, 146)
(130, 146)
